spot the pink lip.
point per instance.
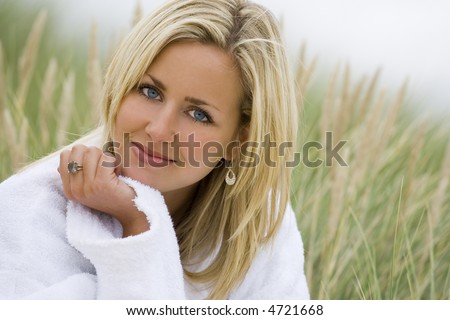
(150, 157)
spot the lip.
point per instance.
(151, 157)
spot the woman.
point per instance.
(191, 201)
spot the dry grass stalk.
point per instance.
(353, 100)
(46, 102)
(9, 128)
(329, 101)
(338, 193)
(365, 141)
(314, 214)
(66, 106)
(413, 158)
(138, 13)
(114, 44)
(22, 145)
(300, 66)
(345, 91)
(299, 73)
(307, 77)
(304, 72)
(27, 60)
(391, 118)
(439, 197)
(94, 74)
(366, 102)
(10, 136)
(343, 112)
(2, 85)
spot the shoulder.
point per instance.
(277, 270)
(40, 174)
(287, 243)
(34, 250)
(33, 188)
(289, 227)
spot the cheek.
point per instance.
(125, 117)
(125, 124)
(131, 111)
(201, 150)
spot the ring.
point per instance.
(73, 167)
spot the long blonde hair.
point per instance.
(230, 221)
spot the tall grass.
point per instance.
(378, 228)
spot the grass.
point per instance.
(378, 228)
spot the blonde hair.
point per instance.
(230, 221)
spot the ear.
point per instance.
(234, 148)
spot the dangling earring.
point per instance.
(230, 178)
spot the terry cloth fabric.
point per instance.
(53, 248)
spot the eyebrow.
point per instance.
(157, 82)
(200, 102)
(187, 99)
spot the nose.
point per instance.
(161, 127)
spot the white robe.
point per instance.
(52, 248)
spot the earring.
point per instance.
(230, 178)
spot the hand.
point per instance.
(97, 186)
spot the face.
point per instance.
(179, 121)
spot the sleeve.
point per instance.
(36, 261)
(145, 266)
(278, 269)
(51, 248)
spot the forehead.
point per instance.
(202, 55)
(200, 70)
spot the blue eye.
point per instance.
(199, 115)
(151, 93)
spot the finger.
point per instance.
(118, 164)
(107, 166)
(62, 169)
(111, 161)
(91, 157)
(77, 179)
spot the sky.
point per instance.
(405, 38)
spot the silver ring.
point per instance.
(73, 167)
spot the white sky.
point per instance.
(407, 38)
